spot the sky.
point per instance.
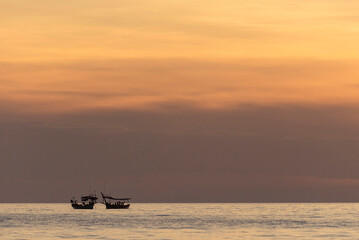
(179, 101)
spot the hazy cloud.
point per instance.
(151, 83)
(282, 153)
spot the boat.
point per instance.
(87, 202)
(115, 203)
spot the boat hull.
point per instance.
(115, 206)
(80, 206)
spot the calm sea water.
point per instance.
(182, 221)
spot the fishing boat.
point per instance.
(87, 202)
(115, 203)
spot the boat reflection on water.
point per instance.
(115, 203)
(87, 202)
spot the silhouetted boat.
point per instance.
(115, 203)
(87, 202)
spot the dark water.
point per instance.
(182, 221)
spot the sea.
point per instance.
(181, 221)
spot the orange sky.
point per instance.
(183, 100)
(74, 55)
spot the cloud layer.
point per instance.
(157, 84)
(282, 153)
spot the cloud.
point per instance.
(289, 152)
(162, 84)
(72, 30)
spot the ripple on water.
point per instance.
(181, 221)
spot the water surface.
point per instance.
(182, 221)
